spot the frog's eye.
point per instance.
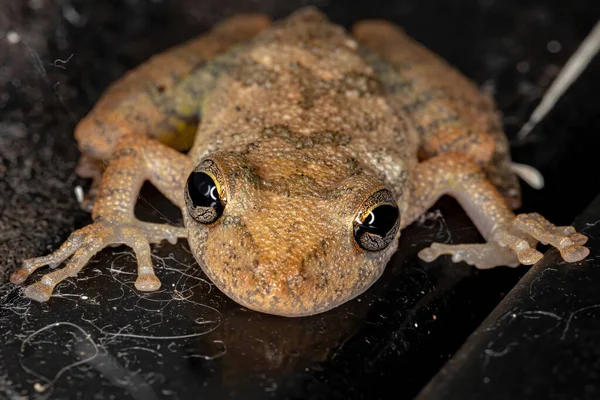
(377, 224)
(202, 198)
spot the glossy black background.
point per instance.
(393, 339)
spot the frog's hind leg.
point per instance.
(500, 169)
(450, 114)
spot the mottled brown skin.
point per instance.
(304, 129)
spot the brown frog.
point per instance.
(313, 149)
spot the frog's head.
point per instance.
(293, 235)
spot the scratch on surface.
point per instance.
(569, 73)
(34, 56)
(135, 385)
(222, 351)
(164, 217)
(535, 314)
(531, 296)
(532, 314)
(62, 62)
(513, 315)
(50, 382)
(495, 354)
(435, 220)
(573, 314)
(589, 225)
(124, 331)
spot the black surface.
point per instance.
(190, 340)
(543, 339)
(392, 339)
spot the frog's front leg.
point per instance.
(158, 99)
(136, 159)
(510, 239)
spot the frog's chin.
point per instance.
(282, 301)
(286, 310)
(291, 306)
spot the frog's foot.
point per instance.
(511, 245)
(87, 241)
(568, 241)
(88, 168)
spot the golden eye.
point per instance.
(376, 227)
(202, 198)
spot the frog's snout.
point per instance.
(280, 275)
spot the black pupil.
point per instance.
(203, 191)
(380, 220)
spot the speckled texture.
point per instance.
(297, 123)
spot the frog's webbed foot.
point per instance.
(514, 244)
(87, 241)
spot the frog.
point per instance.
(309, 149)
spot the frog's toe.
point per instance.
(564, 238)
(516, 243)
(480, 255)
(39, 291)
(42, 290)
(70, 246)
(574, 253)
(429, 254)
(529, 256)
(578, 239)
(19, 276)
(147, 282)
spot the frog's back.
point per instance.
(306, 82)
(383, 98)
(386, 91)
